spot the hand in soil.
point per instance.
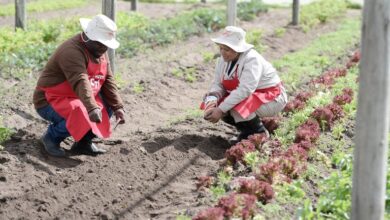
(213, 115)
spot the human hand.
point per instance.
(213, 115)
(210, 105)
(95, 115)
(120, 116)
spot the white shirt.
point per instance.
(253, 71)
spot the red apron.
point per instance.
(67, 104)
(254, 101)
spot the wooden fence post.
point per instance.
(109, 9)
(372, 119)
(20, 14)
(232, 12)
(295, 12)
(134, 5)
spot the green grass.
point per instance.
(23, 52)
(254, 37)
(43, 5)
(321, 53)
(320, 12)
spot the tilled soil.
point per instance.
(153, 160)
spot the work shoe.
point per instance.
(87, 148)
(51, 147)
(247, 128)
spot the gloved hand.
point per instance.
(95, 115)
(120, 115)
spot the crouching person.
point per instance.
(245, 88)
(76, 91)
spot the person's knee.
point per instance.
(49, 114)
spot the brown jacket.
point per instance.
(69, 63)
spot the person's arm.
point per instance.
(249, 80)
(73, 64)
(110, 91)
(217, 88)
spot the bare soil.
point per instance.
(153, 160)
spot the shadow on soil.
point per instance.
(149, 196)
(213, 146)
(27, 147)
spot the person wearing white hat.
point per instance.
(246, 87)
(76, 90)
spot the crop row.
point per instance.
(296, 62)
(282, 165)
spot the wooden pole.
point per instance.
(295, 12)
(372, 119)
(20, 14)
(134, 5)
(109, 9)
(232, 12)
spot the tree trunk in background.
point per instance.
(372, 119)
(20, 14)
(109, 9)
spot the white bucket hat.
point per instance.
(102, 29)
(233, 37)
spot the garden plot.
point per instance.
(154, 160)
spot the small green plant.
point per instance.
(189, 74)
(279, 32)
(306, 211)
(178, 73)
(290, 193)
(208, 57)
(338, 129)
(224, 177)
(138, 88)
(120, 82)
(252, 159)
(217, 191)
(5, 134)
(183, 217)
